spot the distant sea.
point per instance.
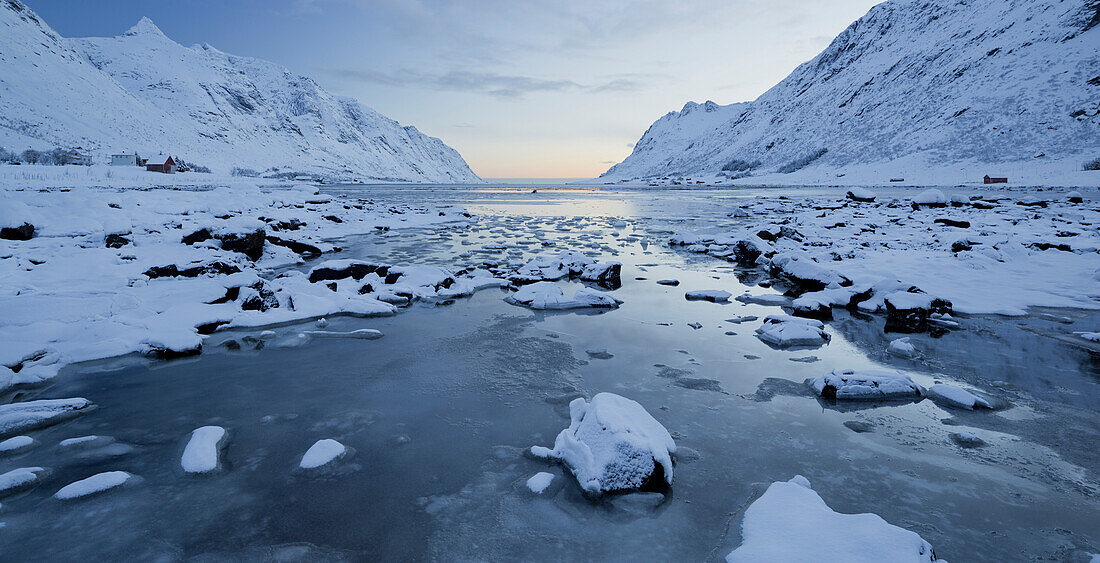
(534, 181)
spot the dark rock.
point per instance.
(197, 236)
(818, 311)
(22, 232)
(913, 320)
(250, 244)
(209, 268)
(231, 295)
(367, 288)
(291, 225)
(746, 252)
(953, 223)
(170, 354)
(259, 298)
(116, 241)
(859, 426)
(209, 328)
(604, 275)
(305, 249)
(356, 271)
(334, 218)
(1049, 246)
(864, 199)
(669, 282)
(961, 246)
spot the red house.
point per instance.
(168, 166)
(989, 180)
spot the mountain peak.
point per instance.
(145, 26)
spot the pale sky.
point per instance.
(522, 88)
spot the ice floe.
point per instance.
(16, 444)
(539, 482)
(613, 444)
(20, 479)
(549, 295)
(785, 331)
(98, 483)
(951, 395)
(203, 451)
(322, 453)
(791, 522)
(29, 415)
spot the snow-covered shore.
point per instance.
(112, 271)
(984, 254)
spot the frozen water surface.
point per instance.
(442, 409)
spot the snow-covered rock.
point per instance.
(861, 195)
(1005, 95)
(203, 451)
(141, 90)
(98, 483)
(539, 481)
(712, 295)
(29, 415)
(956, 397)
(791, 522)
(785, 330)
(549, 295)
(20, 479)
(16, 444)
(930, 197)
(613, 444)
(322, 453)
(866, 385)
(901, 348)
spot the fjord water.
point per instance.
(440, 411)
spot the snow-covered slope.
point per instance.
(142, 91)
(928, 81)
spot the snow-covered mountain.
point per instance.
(928, 81)
(143, 92)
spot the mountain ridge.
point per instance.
(943, 80)
(141, 91)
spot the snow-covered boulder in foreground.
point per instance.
(866, 385)
(549, 295)
(322, 453)
(613, 444)
(791, 522)
(951, 395)
(203, 449)
(18, 417)
(98, 483)
(785, 330)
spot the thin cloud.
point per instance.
(490, 83)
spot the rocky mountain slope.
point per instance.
(143, 92)
(930, 81)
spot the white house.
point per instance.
(124, 160)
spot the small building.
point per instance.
(161, 164)
(125, 160)
(989, 180)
